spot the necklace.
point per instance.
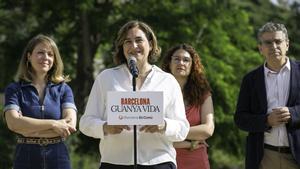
(143, 75)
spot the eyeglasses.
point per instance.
(270, 42)
(177, 60)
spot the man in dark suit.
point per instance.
(268, 106)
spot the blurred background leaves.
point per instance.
(223, 32)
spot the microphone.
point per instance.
(132, 66)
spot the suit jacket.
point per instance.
(251, 114)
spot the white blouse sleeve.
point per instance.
(177, 124)
(92, 121)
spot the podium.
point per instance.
(135, 108)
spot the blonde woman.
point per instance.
(40, 109)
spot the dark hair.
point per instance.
(272, 27)
(197, 85)
(119, 57)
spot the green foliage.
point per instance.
(6, 143)
(223, 32)
(227, 161)
(81, 160)
(293, 25)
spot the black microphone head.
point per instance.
(131, 59)
(132, 66)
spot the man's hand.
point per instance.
(279, 115)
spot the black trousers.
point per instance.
(167, 165)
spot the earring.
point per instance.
(27, 63)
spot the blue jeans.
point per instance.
(34, 156)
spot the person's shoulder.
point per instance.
(295, 65)
(112, 70)
(64, 85)
(296, 62)
(164, 75)
(12, 87)
(108, 72)
(254, 72)
(161, 72)
(59, 87)
(58, 84)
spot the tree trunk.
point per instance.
(84, 79)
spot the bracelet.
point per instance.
(162, 127)
(194, 143)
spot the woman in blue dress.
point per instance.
(40, 109)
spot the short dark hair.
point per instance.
(272, 27)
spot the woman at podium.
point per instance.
(136, 49)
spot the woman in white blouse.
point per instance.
(155, 149)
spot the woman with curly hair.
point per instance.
(184, 63)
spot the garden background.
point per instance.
(222, 31)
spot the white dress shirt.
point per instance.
(277, 86)
(152, 148)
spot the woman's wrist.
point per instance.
(162, 127)
(194, 144)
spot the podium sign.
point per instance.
(134, 108)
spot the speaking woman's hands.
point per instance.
(114, 129)
(154, 128)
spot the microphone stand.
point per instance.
(134, 130)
